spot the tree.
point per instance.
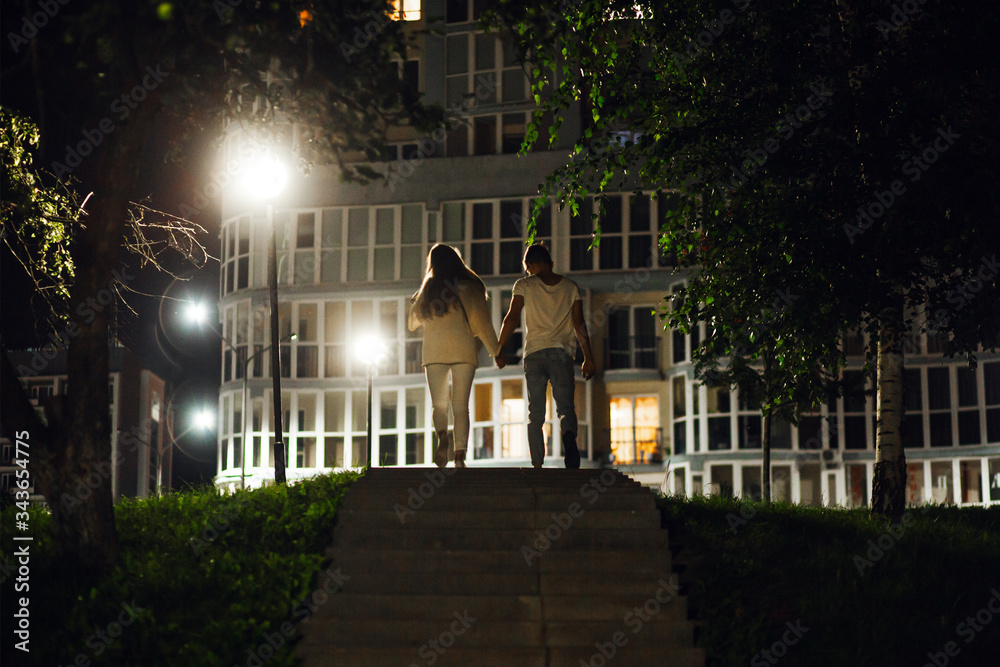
(842, 152)
(104, 77)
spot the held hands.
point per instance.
(500, 360)
(588, 369)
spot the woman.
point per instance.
(451, 307)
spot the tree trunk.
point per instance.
(73, 466)
(765, 441)
(889, 482)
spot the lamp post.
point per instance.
(202, 419)
(370, 350)
(266, 177)
(246, 405)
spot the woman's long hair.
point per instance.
(438, 292)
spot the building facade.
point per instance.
(350, 256)
(140, 446)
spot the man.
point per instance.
(553, 316)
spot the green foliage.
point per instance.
(839, 154)
(751, 568)
(38, 213)
(211, 573)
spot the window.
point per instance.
(358, 243)
(939, 402)
(411, 249)
(306, 343)
(969, 432)
(482, 70)
(491, 235)
(628, 237)
(631, 338)
(405, 10)
(415, 419)
(513, 417)
(856, 403)
(719, 427)
(635, 429)
(679, 392)
(991, 397)
(331, 243)
(236, 255)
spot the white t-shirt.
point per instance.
(548, 313)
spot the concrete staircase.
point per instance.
(500, 566)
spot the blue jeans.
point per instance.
(553, 365)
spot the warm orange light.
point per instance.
(305, 16)
(405, 10)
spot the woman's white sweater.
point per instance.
(450, 338)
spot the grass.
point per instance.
(205, 578)
(868, 594)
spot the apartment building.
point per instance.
(350, 256)
(140, 446)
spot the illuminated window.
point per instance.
(405, 10)
(635, 429)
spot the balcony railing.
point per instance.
(632, 352)
(635, 444)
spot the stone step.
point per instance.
(528, 608)
(500, 566)
(319, 655)
(630, 655)
(482, 539)
(424, 606)
(496, 477)
(583, 563)
(466, 628)
(570, 518)
(623, 586)
(516, 500)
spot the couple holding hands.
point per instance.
(452, 309)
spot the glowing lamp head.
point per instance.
(370, 349)
(197, 312)
(265, 176)
(204, 419)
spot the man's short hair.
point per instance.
(537, 253)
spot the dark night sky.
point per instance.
(189, 360)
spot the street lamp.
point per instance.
(265, 178)
(246, 405)
(203, 419)
(370, 349)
